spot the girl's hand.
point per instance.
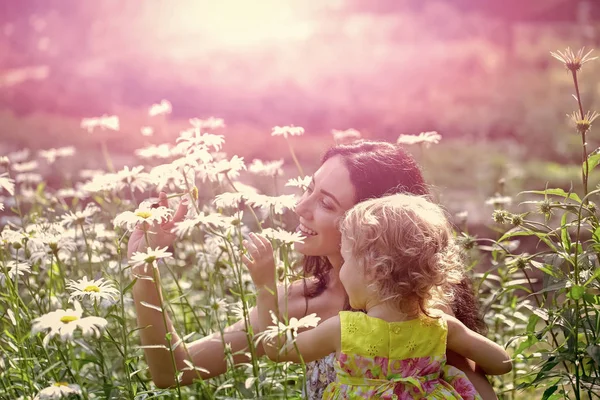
(159, 235)
(262, 263)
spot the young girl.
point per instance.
(399, 264)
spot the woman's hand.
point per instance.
(159, 235)
(262, 263)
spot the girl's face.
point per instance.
(353, 278)
(328, 197)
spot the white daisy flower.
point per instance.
(154, 151)
(164, 174)
(104, 122)
(90, 173)
(64, 323)
(51, 155)
(50, 237)
(96, 289)
(192, 138)
(58, 390)
(147, 131)
(134, 178)
(268, 168)
(424, 137)
(231, 168)
(215, 220)
(29, 177)
(163, 108)
(144, 213)
(229, 200)
(300, 182)
(80, 217)
(278, 204)
(347, 135)
(283, 236)
(25, 166)
(290, 330)
(287, 130)
(151, 256)
(10, 237)
(15, 268)
(18, 156)
(210, 123)
(70, 192)
(7, 183)
(102, 182)
(497, 201)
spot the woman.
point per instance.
(349, 174)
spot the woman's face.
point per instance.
(328, 197)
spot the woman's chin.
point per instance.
(299, 247)
(305, 249)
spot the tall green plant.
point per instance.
(560, 282)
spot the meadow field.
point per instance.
(103, 105)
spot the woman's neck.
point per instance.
(334, 275)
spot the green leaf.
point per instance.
(556, 192)
(548, 392)
(576, 292)
(152, 306)
(540, 235)
(130, 285)
(564, 233)
(593, 160)
(593, 277)
(594, 352)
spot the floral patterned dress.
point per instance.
(395, 360)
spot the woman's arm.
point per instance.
(474, 374)
(207, 353)
(490, 356)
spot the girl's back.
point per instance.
(390, 360)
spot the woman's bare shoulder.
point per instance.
(299, 305)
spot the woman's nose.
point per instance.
(303, 207)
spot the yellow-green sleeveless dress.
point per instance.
(394, 360)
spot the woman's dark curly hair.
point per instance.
(377, 169)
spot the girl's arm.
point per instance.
(490, 356)
(311, 345)
(308, 346)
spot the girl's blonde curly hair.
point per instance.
(407, 249)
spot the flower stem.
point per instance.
(107, 158)
(586, 170)
(294, 157)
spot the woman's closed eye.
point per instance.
(326, 204)
(323, 201)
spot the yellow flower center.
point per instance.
(92, 288)
(144, 214)
(68, 318)
(61, 384)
